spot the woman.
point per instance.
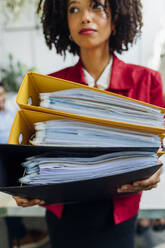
(94, 30)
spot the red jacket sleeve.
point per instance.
(157, 90)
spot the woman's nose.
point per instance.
(86, 17)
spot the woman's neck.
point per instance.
(95, 61)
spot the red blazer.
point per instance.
(129, 80)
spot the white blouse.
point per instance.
(104, 79)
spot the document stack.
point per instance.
(47, 170)
(74, 133)
(67, 133)
(83, 143)
(100, 105)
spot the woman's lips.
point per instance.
(87, 31)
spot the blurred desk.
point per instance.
(152, 204)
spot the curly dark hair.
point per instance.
(2, 84)
(126, 16)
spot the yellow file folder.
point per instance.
(34, 84)
(23, 125)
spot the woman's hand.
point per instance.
(139, 186)
(25, 202)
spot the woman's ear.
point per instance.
(113, 28)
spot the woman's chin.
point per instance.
(89, 45)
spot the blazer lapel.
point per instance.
(78, 73)
(120, 76)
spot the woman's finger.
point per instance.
(154, 179)
(131, 188)
(25, 202)
(139, 186)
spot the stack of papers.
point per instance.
(50, 170)
(71, 133)
(101, 105)
(85, 142)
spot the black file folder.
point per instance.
(11, 156)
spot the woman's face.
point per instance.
(90, 26)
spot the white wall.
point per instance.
(27, 44)
(21, 38)
(153, 17)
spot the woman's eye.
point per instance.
(73, 10)
(98, 6)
